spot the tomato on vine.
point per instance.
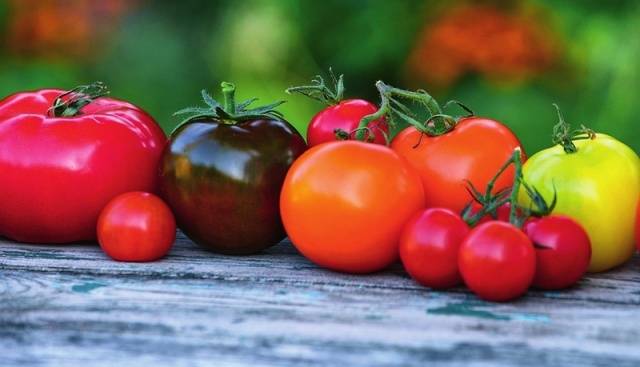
(341, 117)
(563, 251)
(447, 152)
(344, 204)
(497, 261)
(429, 247)
(597, 181)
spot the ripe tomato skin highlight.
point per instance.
(345, 115)
(474, 150)
(59, 172)
(598, 186)
(344, 205)
(429, 247)
(563, 251)
(497, 261)
(137, 227)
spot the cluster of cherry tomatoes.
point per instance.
(454, 197)
(354, 205)
(496, 260)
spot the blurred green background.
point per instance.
(509, 60)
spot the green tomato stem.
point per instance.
(228, 95)
(69, 103)
(319, 90)
(564, 136)
(484, 211)
(228, 112)
(492, 182)
(517, 181)
(393, 108)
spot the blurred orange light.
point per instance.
(482, 39)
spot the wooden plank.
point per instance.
(70, 305)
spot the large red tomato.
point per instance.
(474, 150)
(344, 204)
(61, 165)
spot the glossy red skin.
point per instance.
(345, 115)
(474, 150)
(503, 213)
(429, 247)
(58, 173)
(497, 261)
(137, 227)
(563, 251)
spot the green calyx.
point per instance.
(393, 107)
(564, 136)
(229, 111)
(539, 206)
(70, 103)
(318, 89)
(489, 201)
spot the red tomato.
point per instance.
(136, 226)
(503, 213)
(344, 204)
(563, 251)
(497, 261)
(474, 150)
(345, 115)
(429, 247)
(59, 172)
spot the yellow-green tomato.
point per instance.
(597, 185)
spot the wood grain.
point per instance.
(70, 305)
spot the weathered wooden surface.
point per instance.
(72, 306)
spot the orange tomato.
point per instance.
(344, 204)
(474, 150)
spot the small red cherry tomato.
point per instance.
(429, 247)
(563, 251)
(497, 261)
(136, 226)
(346, 116)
